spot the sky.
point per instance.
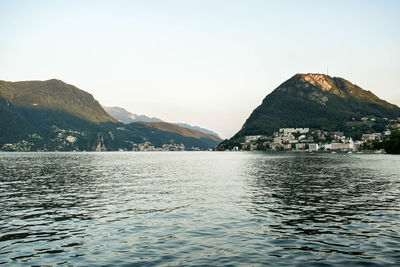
(206, 63)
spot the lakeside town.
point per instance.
(24, 146)
(306, 139)
(284, 139)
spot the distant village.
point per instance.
(172, 146)
(66, 141)
(304, 139)
(284, 139)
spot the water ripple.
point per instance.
(146, 209)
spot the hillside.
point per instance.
(52, 115)
(126, 117)
(173, 128)
(321, 102)
(197, 128)
(54, 95)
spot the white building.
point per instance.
(327, 146)
(312, 147)
(252, 138)
(300, 146)
(287, 131)
(369, 137)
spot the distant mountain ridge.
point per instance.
(321, 102)
(171, 127)
(52, 115)
(126, 117)
(197, 128)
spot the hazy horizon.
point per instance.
(207, 63)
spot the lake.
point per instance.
(199, 208)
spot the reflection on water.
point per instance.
(334, 207)
(199, 208)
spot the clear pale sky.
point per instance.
(207, 63)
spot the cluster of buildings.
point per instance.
(147, 146)
(22, 145)
(66, 140)
(303, 139)
(393, 123)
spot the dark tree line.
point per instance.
(391, 145)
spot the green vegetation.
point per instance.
(52, 115)
(173, 128)
(319, 102)
(229, 144)
(54, 95)
(355, 129)
(391, 144)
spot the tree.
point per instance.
(392, 145)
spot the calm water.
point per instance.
(199, 208)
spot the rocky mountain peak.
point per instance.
(320, 80)
(318, 101)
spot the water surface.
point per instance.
(199, 208)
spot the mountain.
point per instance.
(320, 102)
(397, 100)
(126, 117)
(197, 128)
(53, 95)
(52, 115)
(34, 107)
(174, 128)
